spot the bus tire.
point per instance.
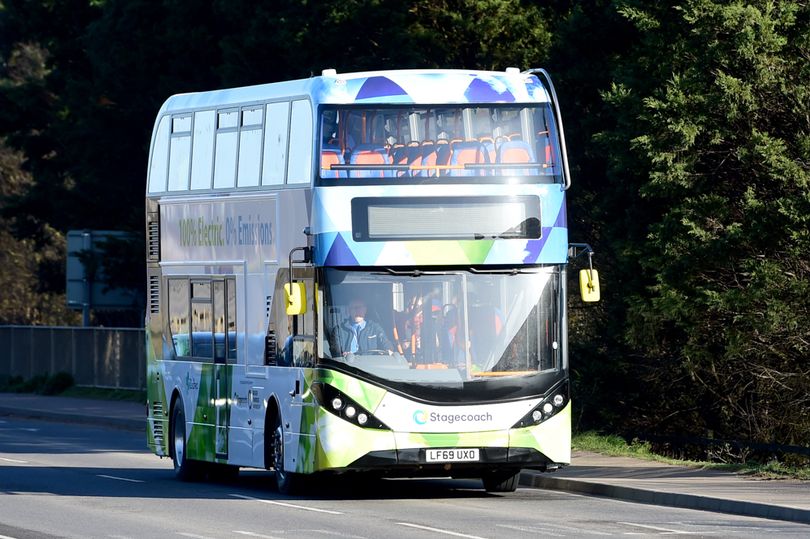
(184, 469)
(286, 482)
(501, 481)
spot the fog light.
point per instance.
(337, 404)
(350, 411)
(362, 418)
(548, 408)
(558, 400)
(537, 415)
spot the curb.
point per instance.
(135, 425)
(668, 499)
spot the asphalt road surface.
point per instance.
(64, 480)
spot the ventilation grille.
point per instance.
(268, 301)
(153, 238)
(154, 294)
(157, 423)
(270, 344)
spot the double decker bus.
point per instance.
(360, 272)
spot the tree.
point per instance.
(713, 104)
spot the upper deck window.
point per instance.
(421, 143)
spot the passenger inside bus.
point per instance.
(358, 335)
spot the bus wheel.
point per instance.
(184, 469)
(286, 482)
(501, 481)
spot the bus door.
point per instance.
(224, 300)
(302, 356)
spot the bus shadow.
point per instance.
(361, 487)
(23, 478)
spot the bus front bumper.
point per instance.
(343, 447)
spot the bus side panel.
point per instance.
(195, 383)
(157, 422)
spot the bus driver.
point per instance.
(357, 335)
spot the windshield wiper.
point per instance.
(502, 271)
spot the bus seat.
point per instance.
(369, 154)
(410, 155)
(442, 154)
(544, 149)
(489, 146)
(464, 152)
(428, 154)
(331, 155)
(516, 151)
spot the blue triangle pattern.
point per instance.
(482, 91)
(340, 254)
(378, 87)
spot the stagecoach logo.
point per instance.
(191, 383)
(420, 417)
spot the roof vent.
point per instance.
(512, 71)
(329, 73)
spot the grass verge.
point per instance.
(617, 446)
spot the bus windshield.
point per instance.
(418, 142)
(442, 328)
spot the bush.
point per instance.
(57, 383)
(41, 384)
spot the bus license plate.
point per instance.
(451, 455)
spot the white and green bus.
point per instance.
(360, 272)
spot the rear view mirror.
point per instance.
(589, 285)
(296, 296)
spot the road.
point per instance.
(63, 480)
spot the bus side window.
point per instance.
(158, 168)
(299, 165)
(274, 162)
(202, 337)
(178, 320)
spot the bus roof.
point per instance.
(422, 86)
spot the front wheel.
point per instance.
(503, 481)
(287, 482)
(184, 469)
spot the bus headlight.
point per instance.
(554, 401)
(337, 403)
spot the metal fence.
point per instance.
(96, 357)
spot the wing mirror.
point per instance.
(588, 278)
(296, 295)
(589, 285)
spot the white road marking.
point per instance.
(120, 478)
(437, 530)
(6, 537)
(15, 461)
(656, 528)
(545, 530)
(332, 532)
(251, 534)
(282, 504)
(194, 536)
